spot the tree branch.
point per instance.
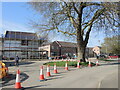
(96, 15)
(90, 4)
(88, 34)
(70, 16)
(75, 8)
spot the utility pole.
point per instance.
(106, 49)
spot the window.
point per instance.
(24, 53)
(54, 53)
(66, 54)
(57, 48)
(52, 47)
(24, 42)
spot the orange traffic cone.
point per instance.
(89, 65)
(66, 66)
(41, 74)
(48, 71)
(55, 68)
(97, 64)
(78, 64)
(17, 84)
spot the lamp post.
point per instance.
(106, 49)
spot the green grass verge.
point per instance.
(70, 63)
(106, 60)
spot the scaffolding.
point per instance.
(25, 48)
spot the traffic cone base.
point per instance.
(41, 77)
(66, 68)
(97, 63)
(48, 74)
(55, 68)
(48, 71)
(89, 65)
(55, 71)
(18, 85)
(78, 66)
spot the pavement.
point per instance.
(110, 81)
(104, 76)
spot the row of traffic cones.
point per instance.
(90, 65)
(18, 84)
(41, 77)
(78, 64)
(48, 74)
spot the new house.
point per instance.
(22, 44)
(61, 48)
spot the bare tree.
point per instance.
(42, 39)
(77, 19)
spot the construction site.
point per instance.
(23, 44)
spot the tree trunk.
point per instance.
(80, 42)
(81, 53)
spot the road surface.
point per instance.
(104, 76)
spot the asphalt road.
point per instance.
(104, 76)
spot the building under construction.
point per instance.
(23, 44)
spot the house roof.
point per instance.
(47, 43)
(20, 35)
(66, 44)
(62, 44)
